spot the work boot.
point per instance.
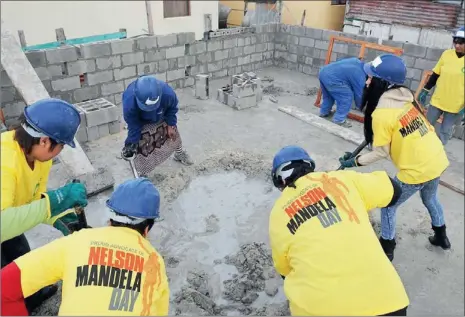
(183, 158)
(388, 247)
(36, 299)
(440, 238)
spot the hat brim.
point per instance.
(368, 71)
(144, 107)
(71, 144)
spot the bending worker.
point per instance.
(150, 108)
(448, 98)
(106, 271)
(323, 243)
(342, 82)
(26, 159)
(400, 131)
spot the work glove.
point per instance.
(422, 96)
(66, 197)
(347, 162)
(67, 222)
(129, 151)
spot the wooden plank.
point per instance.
(26, 81)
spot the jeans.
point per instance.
(428, 194)
(14, 248)
(341, 94)
(448, 121)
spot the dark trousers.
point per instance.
(400, 312)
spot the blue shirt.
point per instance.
(137, 118)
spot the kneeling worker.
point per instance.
(323, 243)
(105, 271)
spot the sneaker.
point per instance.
(325, 115)
(183, 158)
(344, 124)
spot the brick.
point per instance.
(305, 41)
(424, 64)
(298, 30)
(103, 130)
(146, 42)
(125, 72)
(62, 54)
(95, 50)
(14, 109)
(52, 71)
(186, 38)
(249, 49)
(104, 63)
(167, 40)
(86, 93)
(8, 94)
(197, 48)
(112, 88)
(36, 58)
(99, 77)
(214, 45)
(414, 73)
(163, 66)
(322, 45)
(414, 50)
(175, 52)
(99, 111)
(155, 55)
(186, 61)
(314, 33)
(434, 53)
(65, 84)
(132, 58)
(122, 46)
(81, 67)
(175, 74)
(114, 127)
(147, 68)
(161, 76)
(230, 43)
(220, 55)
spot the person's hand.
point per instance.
(66, 197)
(171, 130)
(347, 162)
(129, 151)
(422, 96)
(67, 222)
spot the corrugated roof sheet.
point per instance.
(422, 13)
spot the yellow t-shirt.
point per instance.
(323, 242)
(110, 271)
(449, 93)
(415, 148)
(20, 184)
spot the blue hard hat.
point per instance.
(54, 118)
(288, 154)
(148, 91)
(460, 33)
(136, 198)
(388, 67)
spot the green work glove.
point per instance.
(422, 96)
(67, 222)
(66, 197)
(347, 162)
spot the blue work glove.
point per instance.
(66, 197)
(422, 96)
(347, 162)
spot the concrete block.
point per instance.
(409, 60)
(125, 72)
(214, 67)
(81, 66)
(414, 85)
(326, 34)
(122, 46)
(220, 74)
(147, 68)
(292, 39)
(65, 84)
(205, 58)
(202, 86)
(63, 95)
(298, 30)
(81, 135)
(103, 130)
(8, 94)
(262, 47)
(175, 74)
(230, 43)
(236, 52)
(115, 127)
(99, 77)
(49, 72)
(173, 64)
(128, 81)
(214, 45)
(92, 133)
(161, 76)
(236, 103)
(424, 64)
(86, 93)
(13, 109)
(293, 48)
(95, 50)
(155, 55)
(414, 50)
(162, 66)
(256, 57)
(197, 48)
(110, 62)
(112, 88)
(132, 58)
(268, 55)
(434, 53)
(146, 42)
(413, 73)
(221, 54)
(167, 40)
(249, 49)
(340, 48)
(175, 52)
(393, 43)
(313, 33)
(230, 62)
(322, 45)
(246, 90)
(36, 58)
(99, 111)
(186, 38)
(186, 61)
(243, 60)
(188, 82)
(62, 54)
(118, 99)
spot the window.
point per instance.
(338, 2)
(178, 8)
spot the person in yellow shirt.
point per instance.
(448, 98)
(323, 243)
(108, 271)
(26, 159)
(399, 130)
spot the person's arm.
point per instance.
(279, 247)
(135, 124)
(172, 109)
(44, 180)
(382, 136)
(431, 81)
(161, 305)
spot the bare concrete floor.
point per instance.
(221, 139)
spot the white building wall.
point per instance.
(39, 19)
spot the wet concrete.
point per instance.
(221, 139)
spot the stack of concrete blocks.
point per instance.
(202, 86)
(99, 118)
(244, 91)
